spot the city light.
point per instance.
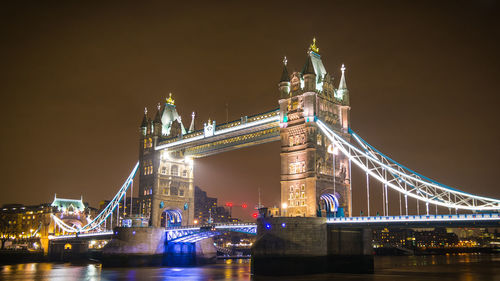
(244, 205)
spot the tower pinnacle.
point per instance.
(342, 84)
(284, 75)
(170, 100)
(313, 47)
(191, 127)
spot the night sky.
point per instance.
(75, 78)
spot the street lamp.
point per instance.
(284, 206)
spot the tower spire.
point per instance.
(284, 75)
(191, 127)
(158, 114)
(144, 123)
(342, 84)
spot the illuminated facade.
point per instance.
(167, 149)
(30, 226)
(166, 192)
(308, 187)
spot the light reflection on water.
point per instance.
(465, 267)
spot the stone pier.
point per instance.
(307, 245)
(146, 246)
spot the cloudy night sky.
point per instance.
(75, 78)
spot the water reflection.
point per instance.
(447, 267)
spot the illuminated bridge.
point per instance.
(318, 150)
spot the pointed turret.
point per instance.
(191, 127)
(157, 121)
(308, 74)
(342, 84)
(342, 92)
(308, 67)
(144, 124)
(285, 77)
(284, 84)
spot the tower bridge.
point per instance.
(318, 150)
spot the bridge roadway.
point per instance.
(195, 233)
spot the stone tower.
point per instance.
(308, 185)
(166, 189)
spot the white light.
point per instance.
(284, 205)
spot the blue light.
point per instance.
(283, 225)
(133, 232)
(268, 226)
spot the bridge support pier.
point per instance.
(74, 250)
(190, 254)
(147, 246)
(307, 245)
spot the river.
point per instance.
(464, 267)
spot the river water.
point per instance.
(465, 267)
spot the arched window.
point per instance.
(164, 170)
(174, 170)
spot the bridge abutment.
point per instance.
(135, 246)
(305, 245)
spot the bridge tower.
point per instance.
(166, 190)
(308, 187)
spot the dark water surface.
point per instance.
(465, 267)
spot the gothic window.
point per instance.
(303, 187)
(145, 143)
(181, 192)
(291, 188)
(164, 170)
(150, 143)
(184, 173)
(290, 140)
(302, 195)
(175, 170)
(297, 139)
(144, 192)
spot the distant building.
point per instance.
(28, 227)
(412, 239)
(206, 208)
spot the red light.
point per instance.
(254, 215)
(244, 206)
(229, 204)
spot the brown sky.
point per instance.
(75, 78)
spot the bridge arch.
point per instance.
(170, 217)
(329, 204)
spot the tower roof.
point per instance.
(285, 77)
(308, 67)
(170, 115)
